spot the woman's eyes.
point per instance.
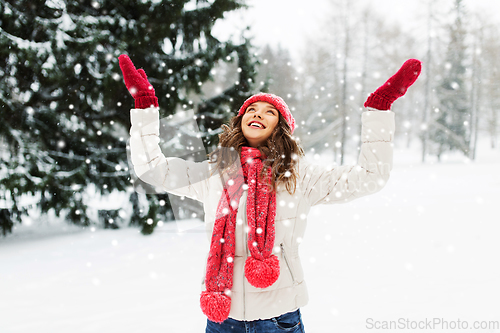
(268, 111)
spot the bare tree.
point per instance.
(475, 97)
(490, 94)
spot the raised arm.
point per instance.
(170, 174)
(347, 182)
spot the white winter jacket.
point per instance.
(316, 185)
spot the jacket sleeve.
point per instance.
(344, 183)
(170, 174)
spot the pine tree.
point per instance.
(449, 130)
(64, 107)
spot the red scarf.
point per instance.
(262, 267)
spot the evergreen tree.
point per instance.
(449, 130)
(64, 107)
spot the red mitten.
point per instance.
(137, 84)
(395, 87)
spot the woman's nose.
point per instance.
(257, 114)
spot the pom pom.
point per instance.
(262, 273)
(215, 305)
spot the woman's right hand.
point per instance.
(137, 84)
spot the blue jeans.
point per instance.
(290, 322)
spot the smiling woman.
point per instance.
(257, 201)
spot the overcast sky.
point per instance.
(290, 22)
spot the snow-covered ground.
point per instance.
(426, 247)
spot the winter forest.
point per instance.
(65, 112)
(65, 123)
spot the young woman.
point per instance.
(256, 194)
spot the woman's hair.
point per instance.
(281, 150)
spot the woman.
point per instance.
(257, 190)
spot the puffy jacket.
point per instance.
(316, 184)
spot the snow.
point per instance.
(425, 247)
(55, 4)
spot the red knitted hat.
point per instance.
(278, 103)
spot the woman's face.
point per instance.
(258, 122)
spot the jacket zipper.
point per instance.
(286, 261)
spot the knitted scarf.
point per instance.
(261, 268)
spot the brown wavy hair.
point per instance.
(281, 150)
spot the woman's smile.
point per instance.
(256, 124)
